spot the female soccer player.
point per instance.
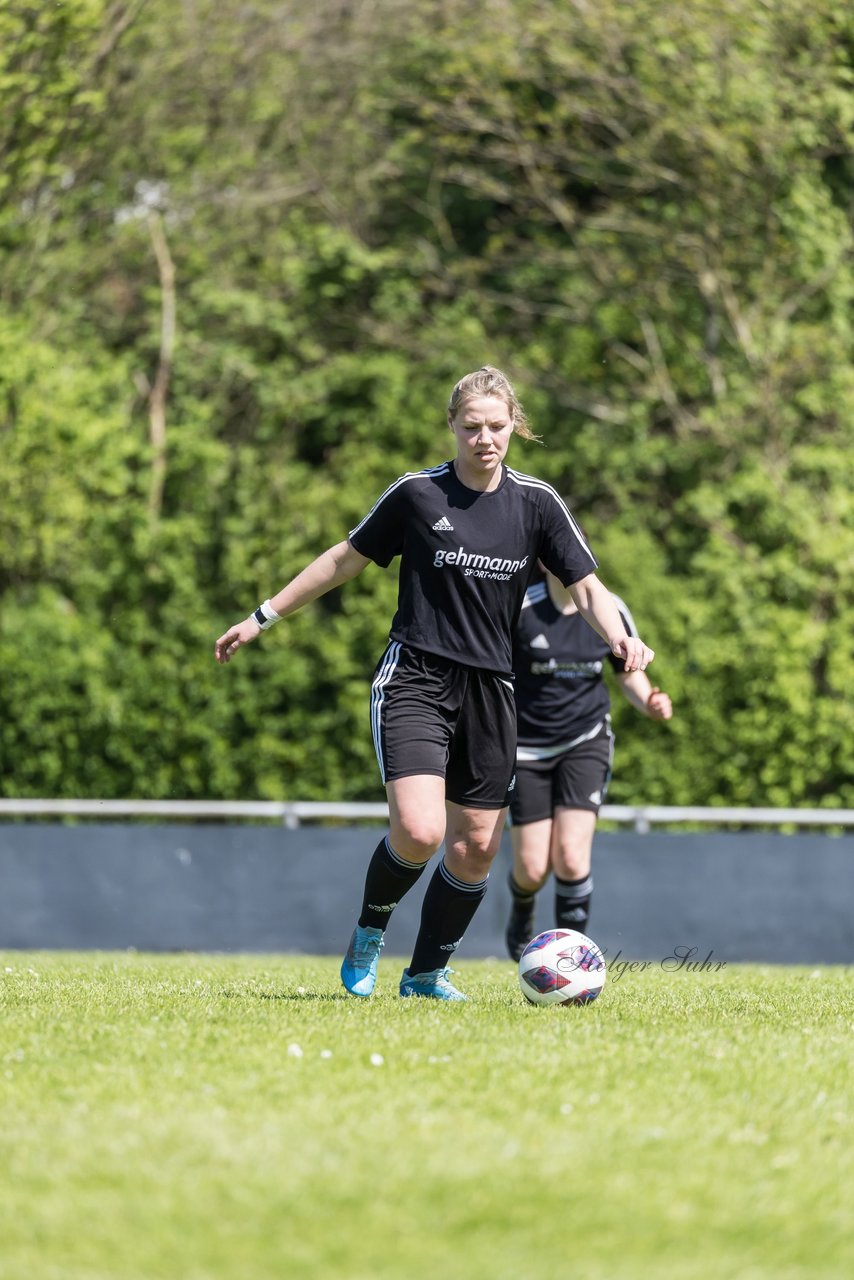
(564, 753)
(442, 710)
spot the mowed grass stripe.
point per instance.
(223, 1117)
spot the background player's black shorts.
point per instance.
(432, 715)
(577, 778)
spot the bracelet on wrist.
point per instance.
(265, 615)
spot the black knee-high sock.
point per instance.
(447, 911)
(523, 899)
(572, 903)
(389, 877)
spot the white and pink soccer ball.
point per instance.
(561, 966)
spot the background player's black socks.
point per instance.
(520, 925)
(389, 878)
(449, 905)
(522, 898)
(572, 903)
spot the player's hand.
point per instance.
(228, 644)
(658, 705)
(635, 654)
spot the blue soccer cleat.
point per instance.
(359, 966)
(434, 984)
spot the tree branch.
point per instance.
(160, 387)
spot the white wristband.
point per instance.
(265, 615)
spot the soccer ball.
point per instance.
(561, 966)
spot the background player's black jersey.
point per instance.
(558, 660)
(466, 558)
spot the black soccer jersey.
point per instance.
(559, 659)
(466, 558)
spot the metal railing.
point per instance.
(292, 813)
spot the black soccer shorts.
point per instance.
(576, 778)
(432, 715)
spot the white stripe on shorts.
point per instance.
(388, 663)
(524, 754)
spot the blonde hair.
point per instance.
(488, 381)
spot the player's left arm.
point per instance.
(646, 697)
(596, 605)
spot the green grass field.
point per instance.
(238, 1118)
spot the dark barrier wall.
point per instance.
(749, 897)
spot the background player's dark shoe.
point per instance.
(520, 928)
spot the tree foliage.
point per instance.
(643, 213)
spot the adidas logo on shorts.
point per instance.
(443, 525)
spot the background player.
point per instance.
(564, 753)
(442, 708)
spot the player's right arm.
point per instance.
(335, 566)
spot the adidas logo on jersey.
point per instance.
(595, 797)
(539, 642)
(444, 525)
